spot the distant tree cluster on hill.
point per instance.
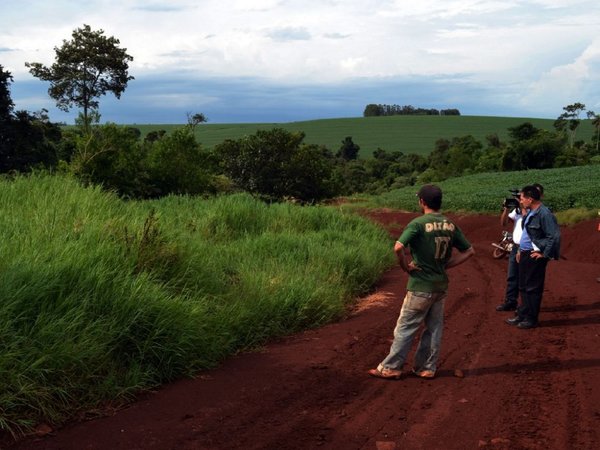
(373, 110)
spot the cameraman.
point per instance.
(512, 210)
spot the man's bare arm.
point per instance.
(407, 267)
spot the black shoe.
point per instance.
(506, 307)
(526, 324)
(514, 321)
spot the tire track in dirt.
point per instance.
(467, 303)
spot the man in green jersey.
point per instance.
(430, 239)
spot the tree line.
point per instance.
(375, 110)
(272, 164)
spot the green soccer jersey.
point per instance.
(430, 239)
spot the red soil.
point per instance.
(519, 389)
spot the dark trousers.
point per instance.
(512, 278)
(532, 274)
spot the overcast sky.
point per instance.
(287, 60)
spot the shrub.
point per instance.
(112, 156)
(275, 164)
(177, 165)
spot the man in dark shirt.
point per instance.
(540, 242)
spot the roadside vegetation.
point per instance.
(103, 298)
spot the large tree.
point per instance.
(6, 103)
(26, 140)
(595, 118)
(569, 121)
(86, 67)
(6, 110)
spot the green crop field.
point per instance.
(409, 134)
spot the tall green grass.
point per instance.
(567, 188)
(408, 134)
(103, 298)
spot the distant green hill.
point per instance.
(409, 134)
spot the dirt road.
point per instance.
(521, 389)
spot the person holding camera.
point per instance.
(512, 210)
(431, 238)
(540, 242)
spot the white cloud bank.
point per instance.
(537, 54)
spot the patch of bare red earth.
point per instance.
(515, 389)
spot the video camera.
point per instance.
(513, 201)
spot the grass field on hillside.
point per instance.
(409, 134)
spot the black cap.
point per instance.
(431, 195)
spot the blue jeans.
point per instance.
(512, 278)
(418, 307)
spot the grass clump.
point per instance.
(576, 215)
(103, 298)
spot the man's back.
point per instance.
(431, 238)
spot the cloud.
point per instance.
(167, 98)
(448, 9)
(159, 7)
(557, 4)
(351, 65)
(289, 34)
(564, 84)
(336, 36)
(182, 54)
(523, 54)
(256, 5)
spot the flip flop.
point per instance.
(388, 374)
